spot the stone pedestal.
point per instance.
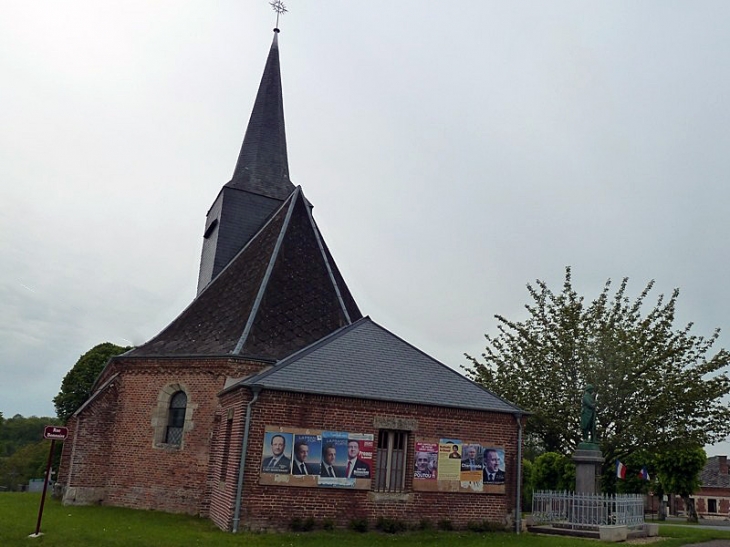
(613, 534)
(588, 460)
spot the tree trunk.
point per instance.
(689, 505)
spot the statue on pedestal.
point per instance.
(588, 415)
(587, 457)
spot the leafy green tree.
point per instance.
(28, 462)
(527, 485)
(634, 483)
(18, 431)
(678, 471)
(656, 385)
(76, 385)
(23, 452)
(552, 471)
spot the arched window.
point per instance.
(176, 418)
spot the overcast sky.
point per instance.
(453, 152)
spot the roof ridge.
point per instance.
(211, 283)
(269, 220)
(331, 275)
(272, 260)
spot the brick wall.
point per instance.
(112, 456)
(225, 479)
(721, 497)
(273, 507)
(83, 458)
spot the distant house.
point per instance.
(712, 500)
(272, 398)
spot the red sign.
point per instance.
(55, 433)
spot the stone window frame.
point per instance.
(390, 465)
(161, 415)
(712, 505)
(176, 418)
(394, 427)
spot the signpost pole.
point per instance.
(52, 433)
(45, 487)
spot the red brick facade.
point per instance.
(114, 456)
(713, 503)
(712, 500)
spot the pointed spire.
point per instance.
(262, 166)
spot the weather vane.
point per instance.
(280, 9)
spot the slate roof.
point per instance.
(712, 474)
(235, 217)
(281, 293)
(366, 361)
(260, 181)
(262, 166)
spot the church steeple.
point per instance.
(262, 165)
(268, 285)
(260, 181)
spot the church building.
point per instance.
(271, 398)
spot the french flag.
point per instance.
(644, 474)
(620, 470)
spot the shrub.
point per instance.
(390, 526)
(424, 525)
(528, 485)
(328, 524)
(298, 524)
(359, 525)
(484, 526)
(552, 471)
(446, 525)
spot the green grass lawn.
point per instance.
(112, 526)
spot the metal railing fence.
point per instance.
(573, 510)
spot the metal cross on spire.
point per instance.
(280, 9)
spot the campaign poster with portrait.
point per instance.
(449, 460)
(306, 454)
(471, 463)
(494, 466)
(313, 458)
(334, 458)
(360, 448)
(462, 465)
(277, 453)
(426, 466)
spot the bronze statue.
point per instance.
(588, 415)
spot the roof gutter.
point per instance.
(242, 465)
(518, 501)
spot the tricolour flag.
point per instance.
(620, 470)
(644, 474)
